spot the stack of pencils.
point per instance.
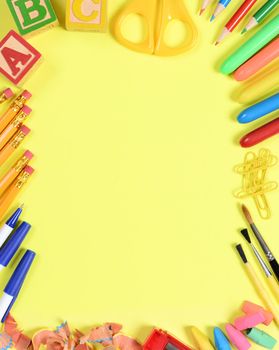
(12, 133)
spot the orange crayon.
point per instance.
(10, 194)
(14, 108)
(14, 125)
(12, 145)
(11, 175)
(5, 95)
(268, 54)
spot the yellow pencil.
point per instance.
(258, 285)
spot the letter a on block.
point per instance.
(17, 57)
(32, 15)
(87, 15)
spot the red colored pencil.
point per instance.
(260, 134)
(236, 19)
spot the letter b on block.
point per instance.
(32, 15)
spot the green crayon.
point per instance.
(251, 46)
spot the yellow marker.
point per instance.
(201, 339)
(264, 84)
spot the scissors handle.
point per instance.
(147, 10)
(175, 10)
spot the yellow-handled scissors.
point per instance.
(157, 14)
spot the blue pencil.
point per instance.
(220, 8)
(259, 109)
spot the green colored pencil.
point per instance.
(261, 14)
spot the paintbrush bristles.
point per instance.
(241, 253)
(247, 214)
(246, 235)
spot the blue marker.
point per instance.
(11, 247)
(15, 283)
(220, 8)
(221, 341)
(260, 109)
(8, 227)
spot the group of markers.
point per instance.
(12, 133)
(256, 53)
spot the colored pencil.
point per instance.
(261, 14)
(236, 19)
(222, 5)
(205, 4)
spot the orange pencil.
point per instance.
(14, 125)
(10, 194)
(10, 176)
(14, 108)
(12, 145)
(5, 95)
(258, 61)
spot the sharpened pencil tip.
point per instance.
(201, 12)
(244, 31)
(216, 43)
(21, 206)
(212, 18)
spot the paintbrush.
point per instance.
(271, 259)
(270, 278)
(258, 285)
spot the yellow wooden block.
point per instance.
(87, 15)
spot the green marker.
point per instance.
(252, 46)
(261, 338)
(261, 14)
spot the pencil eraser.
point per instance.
(237, 338)
(8, 93)
(28, 154)
(261, 338)
(27, 110)
(25, 129)
(249, 321)
(28, 169)
(249, 308)
(26, 94)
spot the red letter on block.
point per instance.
(17, 57)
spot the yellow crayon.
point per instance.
(202, 342)
(263, 85)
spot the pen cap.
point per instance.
(12, 221)
(13, 286)
(9, 249)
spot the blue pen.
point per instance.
(11, 247)
(260, 109)
(219, 8)
(15, 283)
(221, 341)
(10, 224)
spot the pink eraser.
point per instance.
(29, 169)
(249, 321)
(28, 154)
(26, 94)
(237, 338)
(25, 129)
(251, 308)
(8, 93)
(27, 110)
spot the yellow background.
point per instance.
(133, 215)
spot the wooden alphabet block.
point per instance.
(17, 57)
(87, 15)
(32, 16)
